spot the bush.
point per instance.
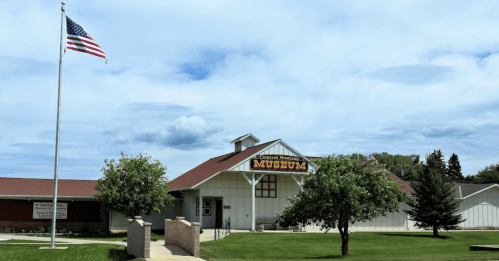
(41, 229)
(7, 230)
(62, 231)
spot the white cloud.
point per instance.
(326, 77)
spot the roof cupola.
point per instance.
(244, 142)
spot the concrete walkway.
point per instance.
(60, 239)
(169, 252)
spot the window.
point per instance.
(205, 209)
(267, 187)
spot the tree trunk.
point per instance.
(344, 240)
(343, 228)
(435, 231)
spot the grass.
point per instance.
(87, 252)
(362, 246)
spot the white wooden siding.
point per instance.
(481, 209)
(236, 193)
(392, 221)
(247, 143)
(118, 222)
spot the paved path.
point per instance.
(169, 252)
(62, 240)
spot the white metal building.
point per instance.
(252, 183)
(479, 204)
(236, 185)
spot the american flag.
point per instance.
(80, 41)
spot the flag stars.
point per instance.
(79, 40)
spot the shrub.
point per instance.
(7, 230)
(62, 231)
(41, 229)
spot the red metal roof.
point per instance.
(45, 187)
(403, 185)
(212, 166)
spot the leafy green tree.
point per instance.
(434, 205)
(410, 165)
(454, 168)
(133, 186)
(341, 192)
(488, 175)
(358, 156)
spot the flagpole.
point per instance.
(57, 137)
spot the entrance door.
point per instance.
(218, 215)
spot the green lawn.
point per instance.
(363, 246)
(90, 252)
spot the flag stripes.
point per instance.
(79, 40)
(75, 43)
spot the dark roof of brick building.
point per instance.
(45, 187)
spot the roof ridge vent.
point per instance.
(244, 142)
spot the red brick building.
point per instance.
(19, 197)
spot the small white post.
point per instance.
(301, 182)
(252, 202)
(201, 212)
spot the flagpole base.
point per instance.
(53, 248)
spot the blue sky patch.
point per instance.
(416, 74)
(203, 64)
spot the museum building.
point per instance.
(248, 186)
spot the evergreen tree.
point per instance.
(396, 163)
(454, 168)
(434, 205)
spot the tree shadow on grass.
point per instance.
(412, 235)
(118, 255)
(326, 257)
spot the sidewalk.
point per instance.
(169, 252)
(63, 240)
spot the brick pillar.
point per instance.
(147, 241)
(195, 240)
(170, 228)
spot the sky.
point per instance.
(184, 78)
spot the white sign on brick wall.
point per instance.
(43, 210)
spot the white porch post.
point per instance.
(253, 183)
(253, 201)
(200, 211)
(301, 182)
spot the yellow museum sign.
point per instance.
(279, 162)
